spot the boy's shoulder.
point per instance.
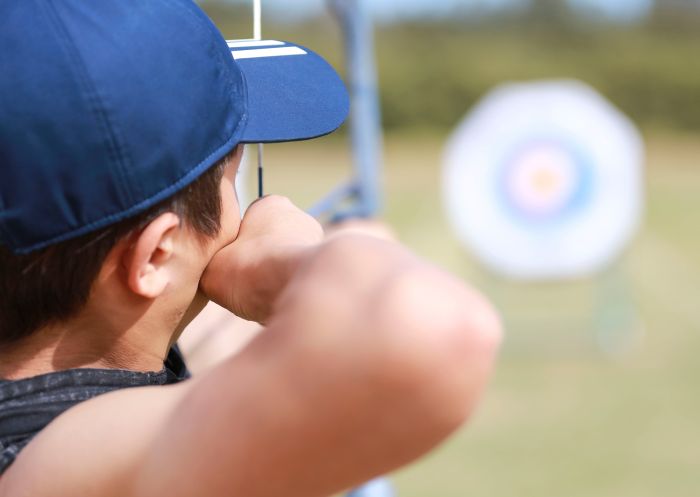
(93, 448)
(29, 405)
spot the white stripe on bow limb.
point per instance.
(267, 52)
(254, 43)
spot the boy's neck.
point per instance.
(116, 329)
(80, 344)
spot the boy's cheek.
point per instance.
(230, 212)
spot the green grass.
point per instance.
(561, 417)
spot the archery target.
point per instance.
(544, 180)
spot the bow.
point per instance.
(360, 196)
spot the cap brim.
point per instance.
(293, 93)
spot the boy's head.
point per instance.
(119, 118)
(52, 284)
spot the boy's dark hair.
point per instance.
(53, 284)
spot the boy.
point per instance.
(122, 129)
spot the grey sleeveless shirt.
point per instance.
(27, 406)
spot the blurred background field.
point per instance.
(432, 69)
(596, 393)
(561, 417)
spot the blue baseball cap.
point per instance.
(108, 108)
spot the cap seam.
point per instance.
(115, 148)
(222, 53)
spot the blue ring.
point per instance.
(577, 202)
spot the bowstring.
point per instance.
(257, 35)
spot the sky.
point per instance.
(387, 9)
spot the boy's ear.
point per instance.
(146, 261)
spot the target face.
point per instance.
(544, 180)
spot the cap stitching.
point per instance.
(114, 146)
(222, 53)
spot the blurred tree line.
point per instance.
(433, 70)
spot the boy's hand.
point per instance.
(247, 276)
